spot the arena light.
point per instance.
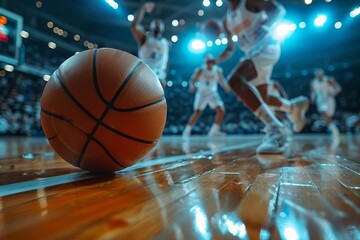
(175, 23)
(9, 68)
(184, 84)
(201, 12)
(197, 45)
(308, 2)
(169, 83)
(52, 45)
(355, 12)
(282, 30)
(217, 42)
(234, 38)
(209, 43)
(224, 41)
(206, 3)
(24, 34)
(174, 38)
(130, 17)
(46, 77)
(338, 25)
(302, 25)
(219, 3)
(320, 20)
(112, 4)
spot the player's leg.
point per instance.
(199, 105)
(217, 104)
(295, 108)
(328, 111)
(239, 82)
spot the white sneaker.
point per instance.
(216, 133)
(297, 116)
(275, 141)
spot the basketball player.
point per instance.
(208, 77)
(153, 47)
(323, 91)
(252, 22)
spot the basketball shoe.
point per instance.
(275, 141)
(297, 115)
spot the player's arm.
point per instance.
(280, 89)
(335, 85)
(274, 11)
(194, 78)
(223, 82)
(136, 27)
(229, 51)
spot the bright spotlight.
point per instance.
(197, 45)
(130, 17)
(282, 30)
(338, 25)
(320, 20)
(174, 38)
(206, 3)
(217, 42)
(175, 23)
(201, 12)
(308, 2)
(234, 38)
(112, 4)
(302, 25)
(355, 12)
(209, 43)
(224, 41)
(24, 34)
(219, 3)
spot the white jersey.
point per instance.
(324, 93)
(208, 80)
(243, 23)
(322, 89)
(154, 52)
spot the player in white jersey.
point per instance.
(153, 47)
(252, 22)
(323, 91)
(208, 77)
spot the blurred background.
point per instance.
(37, 36)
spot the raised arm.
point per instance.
(137, 28)
(274, 10)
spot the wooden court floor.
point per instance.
(198, 189)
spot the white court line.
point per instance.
(14, 188)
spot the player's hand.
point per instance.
(149, 7)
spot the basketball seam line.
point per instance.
(77, 103)
(139, 107)
(108, 107)
(96, 85)
(62, 118)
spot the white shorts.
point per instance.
(212, 99)
(326, 106)
(264, 62)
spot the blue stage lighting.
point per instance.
(197, 45)
(320, 20)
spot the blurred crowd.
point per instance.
(20, 94)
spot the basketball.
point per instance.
(103, 110)
(212, 28)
